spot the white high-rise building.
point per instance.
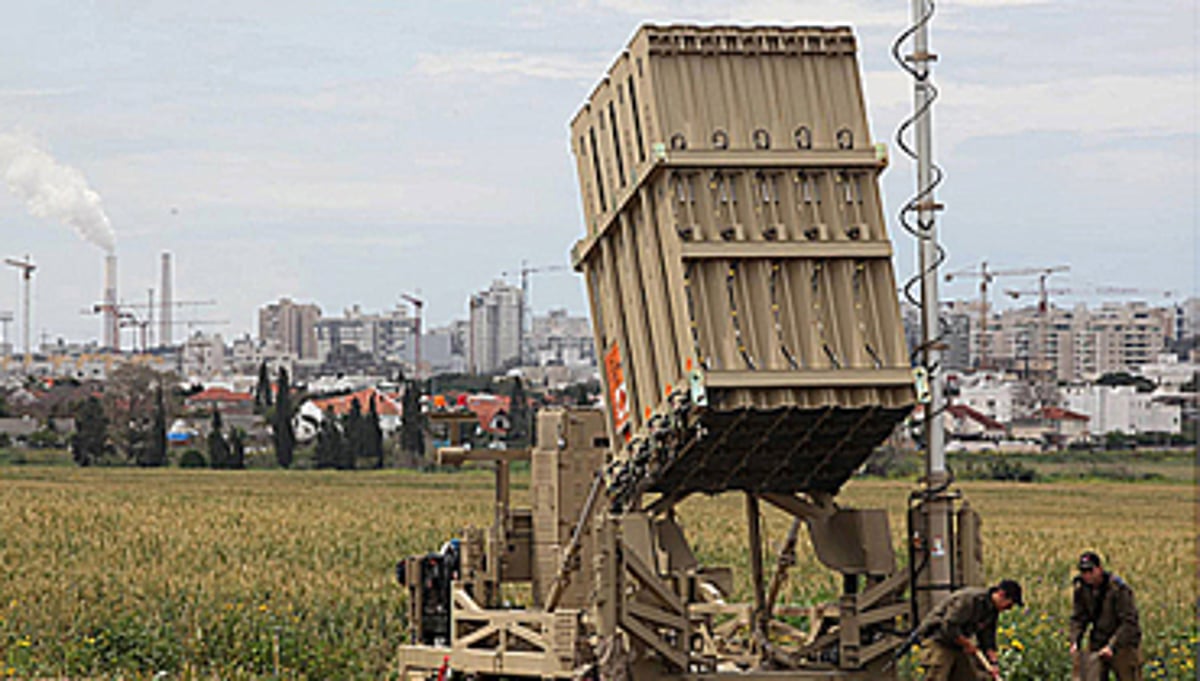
(494, 341)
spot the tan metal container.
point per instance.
(737, 262)
(571, 448)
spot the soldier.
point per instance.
(1104, 602)
(948, 653)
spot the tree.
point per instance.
(218, 448)
(91, 433)
(129, 404)
(155, 453)
(237, 448)
(352, 426)
(374, 435)
(284, 435)
(1118, 378)
(412, 424)
(330, 443)
(518, 415)
(262, 391)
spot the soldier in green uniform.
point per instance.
(1104, 602)
(947, 651)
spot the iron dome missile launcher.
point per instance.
(745, 311)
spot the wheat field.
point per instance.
(207, 574)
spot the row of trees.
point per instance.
(130, 418)
(341, 442)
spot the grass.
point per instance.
(125, 572)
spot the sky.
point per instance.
(345, 153)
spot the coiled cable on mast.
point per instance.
(910, 213)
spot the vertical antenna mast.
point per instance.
(928, 256)
(936, 580)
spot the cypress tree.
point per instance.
(375, 433)
(156, 454)
(518, 415)
(330, 442)
(91, 433)
(355, 442)
(237, 446)
(218, 448)
(262, 391)
(412, 436)
(284, 435)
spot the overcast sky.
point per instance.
(345, 152)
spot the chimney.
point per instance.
(164, 329)
(111, 332)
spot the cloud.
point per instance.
(38, 93)
(751, 11)
(537, 66)
(1102, 107)
(948, 4)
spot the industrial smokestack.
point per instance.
(164, 329)
(111, 332)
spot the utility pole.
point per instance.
(26, 267)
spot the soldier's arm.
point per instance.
(1079, 617)
(1126, 634)
(987, 636)
(954, 625)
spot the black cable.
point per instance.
(922, 230)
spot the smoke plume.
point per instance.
(54, 191)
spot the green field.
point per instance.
(127, 572)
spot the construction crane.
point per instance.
(1094, 291)
(986, 277)
(123, 313)
(524, 307)
(27, 267)
(127, 319)
(419, 307)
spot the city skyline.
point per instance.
(334, 157)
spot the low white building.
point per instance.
(1169, 373)
(1122, 409)
(987, 393)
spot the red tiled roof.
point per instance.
(1060, 414)
(965, 411)
(217, 394)
(340, 405)
(486, 408)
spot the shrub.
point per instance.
(890, 462)
(998, 468)
(192, 458)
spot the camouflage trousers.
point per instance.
(1125, 665)
(949, 663)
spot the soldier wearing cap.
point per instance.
(1104, 602)
(948, 653)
